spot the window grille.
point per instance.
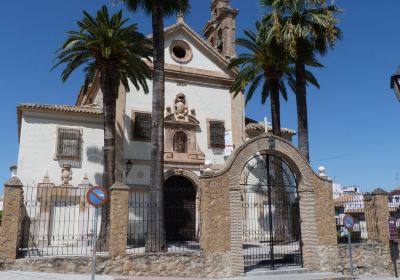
(142, 127)
(69, 144)
(217, 134)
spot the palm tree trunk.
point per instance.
(156, 240)
(275, 109)
(109, 89)
(301, 101)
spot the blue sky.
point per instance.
(354, 117)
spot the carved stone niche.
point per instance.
(180, 135)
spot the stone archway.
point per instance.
(315, 202)
(179, 209)
(191, 176)
(181, 195)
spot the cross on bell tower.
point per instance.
(220, 30)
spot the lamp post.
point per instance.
(395, 83)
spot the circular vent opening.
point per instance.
(179, 52)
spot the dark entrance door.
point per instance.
(271, 216)
(180, 209)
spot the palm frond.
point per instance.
(105, 41)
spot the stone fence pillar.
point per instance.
(10, 229)
(119, 219)
(376, 216)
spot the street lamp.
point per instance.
(128, 164)
(395, 83)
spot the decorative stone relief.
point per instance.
(180, 135)
(66, 174)
(180, 108)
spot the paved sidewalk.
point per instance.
(19, 275)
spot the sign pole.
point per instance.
(350, 253)
(393, 238)
(96, 196)
(96, 212)
(348, 223)
(394, 252)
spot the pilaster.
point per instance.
(119, 219)
(10, 230)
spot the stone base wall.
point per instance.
(369, 259)
(193, 265)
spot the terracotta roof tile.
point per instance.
(91, 110)
(261, 126)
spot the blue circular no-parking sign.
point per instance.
(96, 196)
(348, 222)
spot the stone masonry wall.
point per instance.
(11, 220)
(214, 215)
(194, 264)
(325, 212)
(369, 259)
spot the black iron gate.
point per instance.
(180, 209)
(271, 216)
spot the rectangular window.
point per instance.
(141, 127)
(69, 143)
(217, 134)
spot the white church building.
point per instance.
(204, 122)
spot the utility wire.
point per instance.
(334, 157)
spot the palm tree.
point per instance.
(156, 239)
(267, 63)
(116, 53)
(307, 27)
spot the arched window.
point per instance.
(180, 142)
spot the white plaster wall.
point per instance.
(199, 60)
(38, 145)
(209, 102)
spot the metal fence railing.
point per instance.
(355, 204)
(58, 221)
(180, 220)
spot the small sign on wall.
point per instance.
(392, 229)
(228, 143)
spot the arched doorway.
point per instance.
(180, 209)
(270, 211)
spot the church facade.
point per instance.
(203, 121)
(61, 147)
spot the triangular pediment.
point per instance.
(204, 56)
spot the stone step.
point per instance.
(286, 270)
(301, 276)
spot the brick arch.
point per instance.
(273, 145)
(307, 181)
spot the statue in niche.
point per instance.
(179, 142)
(180, 107)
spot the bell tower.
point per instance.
(220, 30)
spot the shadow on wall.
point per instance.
(95, 155)
(98, 179)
